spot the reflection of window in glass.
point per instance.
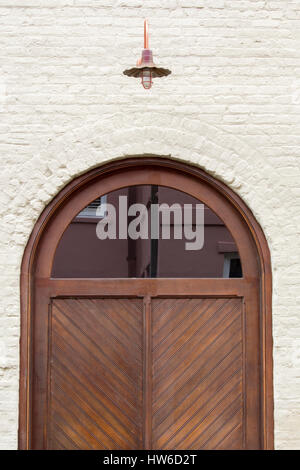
(81, 253)
(232, 265)
(95, 208)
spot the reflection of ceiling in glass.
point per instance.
(146, 231)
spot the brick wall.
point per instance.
(231, 106)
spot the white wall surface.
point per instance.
(231, 106)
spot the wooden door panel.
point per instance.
(197, 349)
(95, 374)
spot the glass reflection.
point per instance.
(146, 232)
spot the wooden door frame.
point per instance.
(141, 166)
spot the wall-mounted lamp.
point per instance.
(145, 67)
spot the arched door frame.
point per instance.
(138, 166)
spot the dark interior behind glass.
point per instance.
(81, 254)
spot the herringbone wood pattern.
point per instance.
(95, 374)
(197, 373)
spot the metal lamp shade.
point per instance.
(146, 65)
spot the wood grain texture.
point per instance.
(162, 374)
(197, 374)
(95, 375)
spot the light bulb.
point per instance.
(146, 79)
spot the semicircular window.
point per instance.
(144, 232)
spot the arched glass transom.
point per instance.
(147, 231)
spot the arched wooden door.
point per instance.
(146, 363)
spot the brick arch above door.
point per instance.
(224, 156)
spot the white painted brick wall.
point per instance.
(231, 106)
